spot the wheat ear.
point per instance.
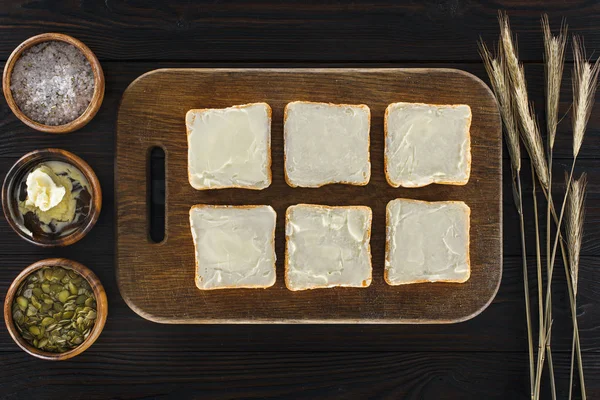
(574, 232)
(529, 128)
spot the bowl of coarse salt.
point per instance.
(53, 83)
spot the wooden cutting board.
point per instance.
(157, 279)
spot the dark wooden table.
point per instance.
(134, 358)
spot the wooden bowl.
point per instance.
(23, 166)
(97, 97)
(101, 308)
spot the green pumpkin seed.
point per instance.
(35, 302)
(73, 289)
(22, 302)
(54, 288)
(68, 315)
(63, 296)
(59, 273)
(47, 274)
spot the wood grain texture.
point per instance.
(135, 358)
(269, 30)
(295, 375)
(156, 280)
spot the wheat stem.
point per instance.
(542, 329)
(566, 264)
(525, 281)
(572, 359)
(572, 302)
(549, 275)
(550, 366)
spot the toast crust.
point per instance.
(192, 115)
(197, 275)
(438, 182)
(388, 229)
(365, 283)
(285, 116)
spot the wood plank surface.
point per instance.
(269, 30)
(134, 358)
(295, 375)
(156, 279)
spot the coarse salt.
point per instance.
(52, 83)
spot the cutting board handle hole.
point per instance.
(156, 194)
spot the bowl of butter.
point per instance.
(51, 197)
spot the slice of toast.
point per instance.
(229, 147)
(326, 143)
(426, 143)
(427, 242)
(234, 246)
(327, 246)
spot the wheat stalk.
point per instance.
(496, 69)
(574, 230)
(554, 56)
(530, 134)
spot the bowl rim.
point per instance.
(101, 308)
(97, 96)
(58, 155)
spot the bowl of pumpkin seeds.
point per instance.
(55, 309)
